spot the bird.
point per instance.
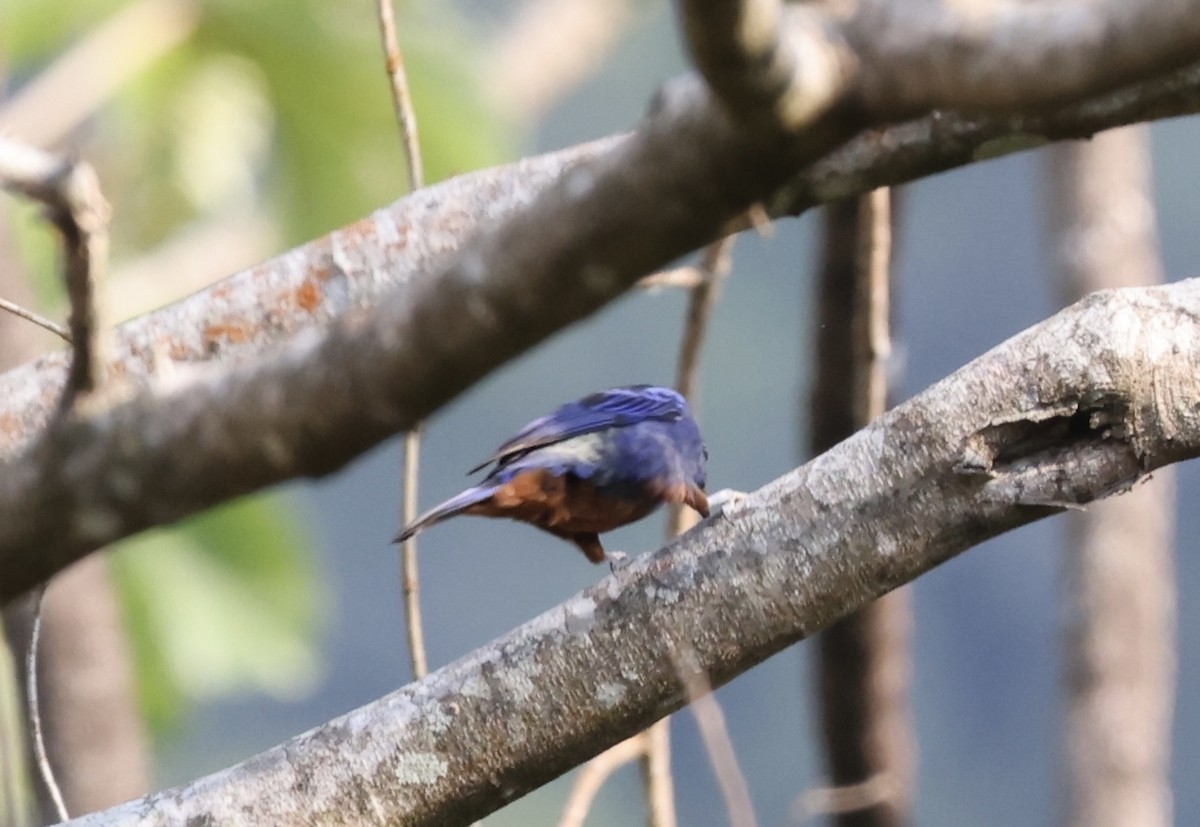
(592, 465)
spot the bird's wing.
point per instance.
(607, 409)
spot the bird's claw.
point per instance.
(617, 560)
(727, 500)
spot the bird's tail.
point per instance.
(451, 507)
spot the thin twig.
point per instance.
(822, 801)
(407, 119)
(684, 277)
(714, 265)
(593, 775)
(760, 220)
(711, 723)
(653, 745)
(656, 775)
(35, 716)
(412, 583)
(401, 98)
(71, 193)
(41, 321)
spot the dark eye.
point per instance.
(704, 450)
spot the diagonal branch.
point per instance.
(401, 245)
(921, 55)
(1075, 408)
(310, 407)
(314, 405)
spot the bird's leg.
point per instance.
(617, 560)
(694, 498)
(589, 544)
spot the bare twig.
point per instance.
(407, 119)
(35, 716)
(71, 193)
(760, 220)
(656, 775)
(593, 775)
(714, 265)
(711, 722)
(401, 98)
(411, 580)
(41, 321)
(72, 88)
(850, 798)
(684, 277)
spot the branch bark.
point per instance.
(863, 659)
(384, 375)
(1008, 54)
(1076, 408)
(401, 246)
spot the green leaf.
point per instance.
(224, 604)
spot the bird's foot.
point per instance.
(726, 501)
(617, 560)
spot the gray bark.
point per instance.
(1076, 408)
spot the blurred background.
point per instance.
(228, 131)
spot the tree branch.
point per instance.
(761, 68)
(316, 404)
(312, 406)
(1075, 408)
(71, 194)
(923, 55)
(400, 245)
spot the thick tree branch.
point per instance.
(1075, 408)
(309, 408)
(323, 400)
(1009, 54)
(762, 69)
(401, 245)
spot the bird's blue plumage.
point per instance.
(591, 466)
(613, 408)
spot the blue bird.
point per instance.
(591, 466)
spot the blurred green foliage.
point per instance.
(283, 105)
(228, 602)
